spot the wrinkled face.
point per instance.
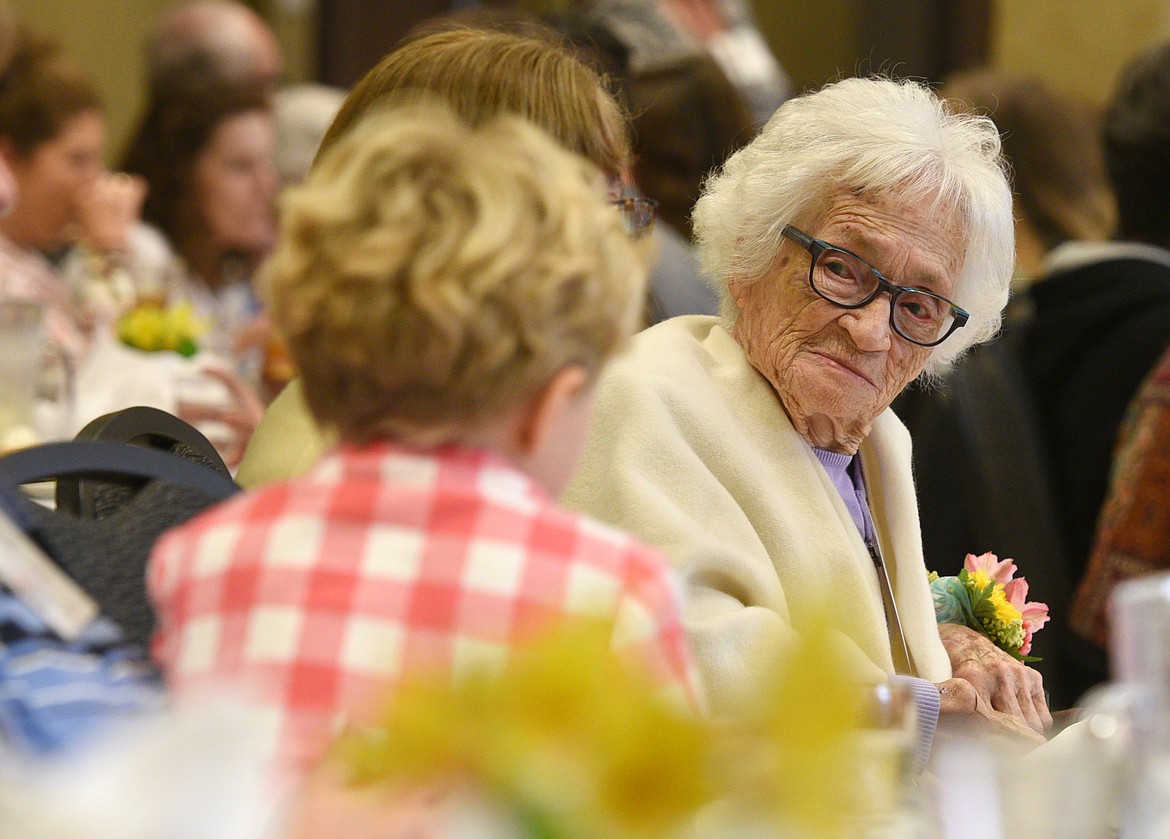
(236, 183)
(835, 370)
(50, 180)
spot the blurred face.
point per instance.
(8, 188)
(51, 179)
(236, 183)
(835, 370)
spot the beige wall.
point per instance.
(106, 37)
(1074, 44)
(815, 41)
(1077, 46)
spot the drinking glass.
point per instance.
(887, 763)
(1133, 712)
(36, 378)
(21, 347)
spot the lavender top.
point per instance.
(845, 474)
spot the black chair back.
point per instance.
(143, 426)
(129, 495)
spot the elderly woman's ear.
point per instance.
(736, 290)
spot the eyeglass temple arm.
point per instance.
(802, 239)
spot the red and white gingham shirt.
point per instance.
(310, 597)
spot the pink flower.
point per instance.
(1000, 571)
(1034, 615)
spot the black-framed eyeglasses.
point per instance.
(637, 214)
(846, 280)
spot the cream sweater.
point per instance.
(692, 452)
(286, 442)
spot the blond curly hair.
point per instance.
(431, 276)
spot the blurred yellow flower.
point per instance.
(571, 744)
(800, 768)
(155, 328)
(567, 739)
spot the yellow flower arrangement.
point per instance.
(154, 328)
(570, 743)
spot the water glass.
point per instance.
(21, 353)
(37, 387)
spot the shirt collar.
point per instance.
(1075, 254)
(447, 465)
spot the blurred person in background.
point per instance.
(56, 694)
(1053, 143)
(658, 33)
(1117, 300)
(209, 155)
(1133, 530)
(212, 41)
(1101, 314)
(480, 74)
(52, 140)
(687, 119)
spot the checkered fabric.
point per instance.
(312, 596)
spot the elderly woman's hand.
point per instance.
(963, 709)
(1004, 684)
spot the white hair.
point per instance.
(869, 135)
(304, 113)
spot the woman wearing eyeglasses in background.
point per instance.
(479, 74)
(863, 239)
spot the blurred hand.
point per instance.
(242, 413)
(253, 335)
(108, 208)
(327, 808)
(1001, 684)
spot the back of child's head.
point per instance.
(431, 276)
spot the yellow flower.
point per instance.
(1005, 612)
(566, 738)
(571, 744)
(152, 328)
(798, 764)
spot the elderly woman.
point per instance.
(862, 240)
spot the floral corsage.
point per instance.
(989, 598)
